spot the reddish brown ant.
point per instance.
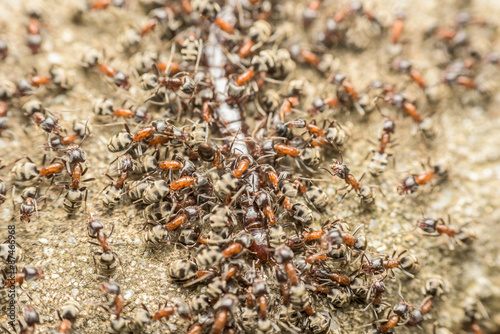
(242, 242)
(107, 258)
(380, 157)
(27, 274)
(27, 326)
(118, 303)
(342, 171)
(284, 255)
(286, 107)
(376, 292)
(401, 312)
(29, 204)
(74, 196)
(404, 66)
(224, 25)
(327, 276)
(411, 183)
(405, 263)
(100, 4)
(224, 306)
(39, 80)
(310, 13)
(397, 27)
(34, 35)
(164, 313)
(319, 105)
(52, 169)
(402, 103)
(438, 227)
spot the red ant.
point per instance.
(411, 183)
(310, 13)
(397, 27)
(346, 91)
(342, 171)
(319, 105)
(118, 304)
(258, 33)
(327, 276)
(100, 4)
(34, 36)
(287, 105)
(404, 66)
(164, 313)
(28, 274)
(107, 257)
(409, 108)
(433, 226)
(401, 312)
(376, 291)
(29, 204)
(224, 306)
(380, 157)
(405, 263)
(242, 242)
(224, 25)
(284, 255)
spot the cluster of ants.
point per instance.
(216, 161)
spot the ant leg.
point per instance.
(112, 229)
(123, 270)
(85, 200)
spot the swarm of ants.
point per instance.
(226, 155)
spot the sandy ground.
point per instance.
(467, 129)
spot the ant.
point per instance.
(310, 13)
(380, 157)
(125, 166)
(73, 198)
(400, 102)
(319, 105)
(434, 227)
(376, 292)
(223, 307)
(241, 165)
(108, 257)
(406, 67)
(284, 255)
(342, 171)
(258, 34)
(67, 316)
(411, 183)
(29, 204)
(405, 263)
(242, 242)
(319, 136)
(39, 80)
(27, 326)
(118, 304)
(397, 27)
(120, 79)
(327, 276)
(401, 312)
(46, 122)
(287, 105)
(34, 36)
(28, 274)
(346, 92)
